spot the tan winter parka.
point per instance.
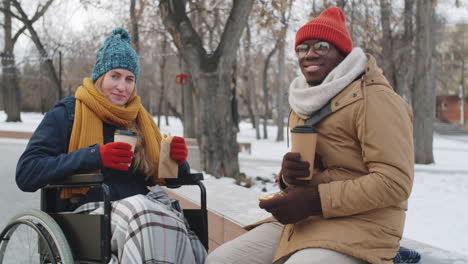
(364, 170)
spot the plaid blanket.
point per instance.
(149, 229)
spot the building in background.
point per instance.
(448, 108)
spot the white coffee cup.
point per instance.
(304, 141)
(127, 137)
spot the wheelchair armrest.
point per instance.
(86, 178)
(192, 179)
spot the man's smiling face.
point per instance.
(318, 61)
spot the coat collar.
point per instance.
(355, 91)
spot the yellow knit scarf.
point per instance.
(92, 108)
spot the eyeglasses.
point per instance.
(321, 48)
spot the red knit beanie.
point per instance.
(330, 26)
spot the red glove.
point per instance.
(116, 155)
(179, 150)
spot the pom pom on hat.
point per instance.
(122, 34)
(330, 26)
(116, 53)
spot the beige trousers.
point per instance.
(258, 247)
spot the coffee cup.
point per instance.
(127, 137)
(304, 141)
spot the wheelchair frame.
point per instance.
(80, 229)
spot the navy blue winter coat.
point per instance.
(46, 160)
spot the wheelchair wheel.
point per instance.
(34, 237)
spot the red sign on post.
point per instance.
(181, 79)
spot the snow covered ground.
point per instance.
(438, 206)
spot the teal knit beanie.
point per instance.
(116, 53)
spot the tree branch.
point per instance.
(239, 15)
(18, 33)
(3, 10)
(40, 12)
(37, 15)
(176, 21)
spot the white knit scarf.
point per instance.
(305, 99)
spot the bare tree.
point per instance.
(387, 41)
(11, 92)
(424, 95)
(266, 91)
(188, 106)
(341, 3)
(285, 14)
(28, 23)
(249, 95)
(281, 89)
(135, 16)
(211, 74)
(162, 86)
(405, 59)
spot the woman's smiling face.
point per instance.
(118, 86)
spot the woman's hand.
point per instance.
(116, 155)
(179, 150)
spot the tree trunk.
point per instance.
(47, 93)
(211, 74)
(266, 91)
(166, 113)
(250, 92)
(367, 28)
(234, 101)
(40, 47)
(218, 137)
(134, 24)
(424, 98)
(247, 99)
(341, 4)
(405, 71)
(188, 108)
(161, 81)
(387, 42)
(281, 89)
(462, 84)
(11, 92)
(352, 22)
(281, 77)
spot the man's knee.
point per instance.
(255, 246)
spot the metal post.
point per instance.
(462, 105)
(462, 88)
(60, 73)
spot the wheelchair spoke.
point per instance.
(33, 237)
(21, 245)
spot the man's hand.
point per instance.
(294, 204)
(293, 168)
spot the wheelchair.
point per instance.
(50, 236)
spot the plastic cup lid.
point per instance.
(303, 129)
(125, 133)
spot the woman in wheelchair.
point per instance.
(77, 136)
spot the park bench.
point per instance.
(243, 146)
(194, 152)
